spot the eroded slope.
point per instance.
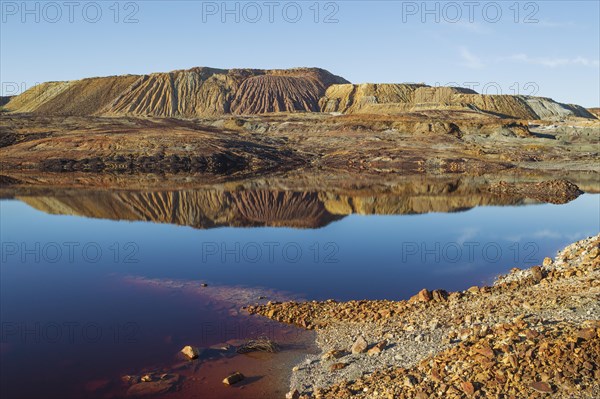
(184, 93)
(403, 98)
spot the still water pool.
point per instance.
(85, 300)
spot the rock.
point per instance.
(130, 379)
(380, 346)
(542, 387)
(474, 289)
(359, 346)
(424, 295)
(337, 366)
(486, 351)
(536, 273)
(190, 352)
(439, 295)
(293, 394)
(409, 381)
(586, 334)
(233, 378)
(333, 354)
(547, 262)
(373, 351)
(435, 376)
(467, 387)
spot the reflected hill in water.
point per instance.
(218, 207)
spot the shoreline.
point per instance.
(300, 151)
(481, 342)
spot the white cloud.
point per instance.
(552, 62)
(473, 61)
(467, 234)
(470, 60)
(547, 234)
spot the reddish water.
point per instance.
(153, 320)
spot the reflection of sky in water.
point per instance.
(356, 257)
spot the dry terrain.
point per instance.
(330, 149)
(303, 128)
(534, 332)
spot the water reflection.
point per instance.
(209, 208)
(307, 244)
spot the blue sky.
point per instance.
(547, 48)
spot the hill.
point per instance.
(402, 98)
(209, 92)
(185, 93)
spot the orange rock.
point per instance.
(424, 295)
(468, 388)
(543, 387)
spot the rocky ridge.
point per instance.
(404, 98)
(204, 91)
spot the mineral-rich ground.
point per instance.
(302, 129)
(534, 333)
(297, 170)
(307, 151)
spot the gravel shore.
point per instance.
(533, 333)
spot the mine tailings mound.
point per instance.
(205, 92)
(402, 98)
(185, 93)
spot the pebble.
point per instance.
(233, 378)
(190, 352)
(359, 346)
